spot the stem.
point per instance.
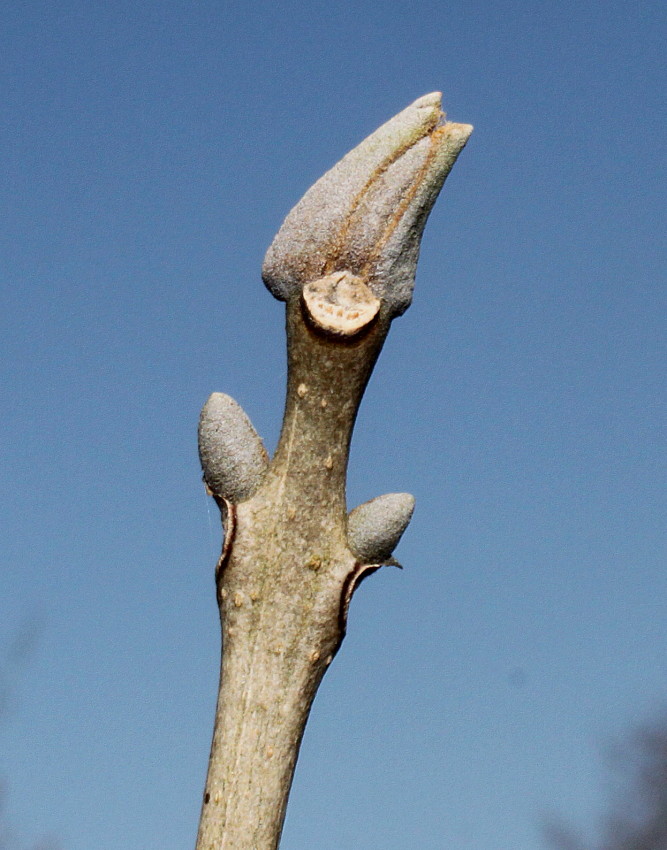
(283, 590)
(344, 260)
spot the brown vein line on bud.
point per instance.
(393, 157)
(395, 220)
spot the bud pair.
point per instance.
(235, 461)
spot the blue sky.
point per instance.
(150, 153)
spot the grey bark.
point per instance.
(344, 262)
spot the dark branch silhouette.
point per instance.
(13, 663)
(637, 817)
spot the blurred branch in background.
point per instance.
(13, 663)
(637, 816)
(14, 660)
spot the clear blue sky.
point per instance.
(149, 153)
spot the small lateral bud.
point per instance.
(374, 528)
(231, 452)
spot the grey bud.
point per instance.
(231, 452)
(374, 528)
(366, 216)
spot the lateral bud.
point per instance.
(232, 455)
(374, 528)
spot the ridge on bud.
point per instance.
(232, 455)
(366, 216)
(375, 528)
